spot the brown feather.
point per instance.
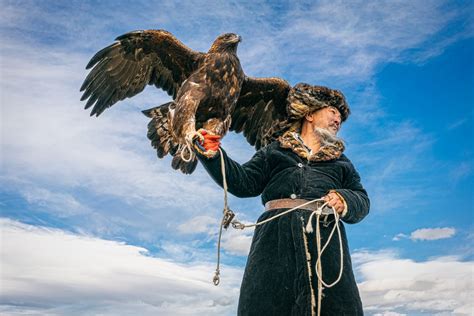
(260, 109)
(135, 60)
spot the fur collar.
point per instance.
(293, 141)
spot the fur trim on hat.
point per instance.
(304, 99)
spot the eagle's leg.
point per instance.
(192, 136)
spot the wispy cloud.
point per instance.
(432, 233)
(237, 242)
(461, 171)
(62, 204)
(345, 40)
(392, 161)
(234, 242)
(198, 224)
(458, 123)
(427, 234)
(391, 284)
(400, 236)
(359, 36)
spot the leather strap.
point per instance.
(291, 203)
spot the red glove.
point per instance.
(210, 142)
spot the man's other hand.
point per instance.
(334, 200)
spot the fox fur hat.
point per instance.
(304, 99)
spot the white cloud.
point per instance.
(48, 271)
(198, 224)
(61, 204)
(234, 241)
(237, 242)
(389, 314)
(399, 237)
(432, 233)
(390, 284)
(57, 273)
(427, 234)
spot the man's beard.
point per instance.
(326, 138)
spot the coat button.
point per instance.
(293, 196)
(300, 165)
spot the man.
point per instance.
(307, 162)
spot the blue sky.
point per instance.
(91, 222)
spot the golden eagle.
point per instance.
(209, 90)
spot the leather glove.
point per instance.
(211, 141)
(207, 143)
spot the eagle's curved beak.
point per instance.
(236, 39)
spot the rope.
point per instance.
(318, 243)
(187, 146)
(227, 219)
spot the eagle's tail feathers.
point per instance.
(179, 164)
(158, 130)
(160, 136)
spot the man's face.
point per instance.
(328, 118)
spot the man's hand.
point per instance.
(335, 201)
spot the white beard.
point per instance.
(326, 138)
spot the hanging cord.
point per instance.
(228, 218)
(309, 229)
(319, 268)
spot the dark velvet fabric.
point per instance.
(276, 278)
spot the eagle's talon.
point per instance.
(192, 136)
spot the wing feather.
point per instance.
(260, 112)
(124, 68)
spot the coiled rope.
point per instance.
(186, 148)
(228, 218)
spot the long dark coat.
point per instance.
(276, 280)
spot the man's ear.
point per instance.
(309, 117)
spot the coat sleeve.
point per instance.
(245, 180)
(356, 197)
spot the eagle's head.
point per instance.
(226, 43)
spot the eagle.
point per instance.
(209, 91)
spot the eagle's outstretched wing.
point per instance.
(260, 111)
(136, 59)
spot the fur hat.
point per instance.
(304, 99)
